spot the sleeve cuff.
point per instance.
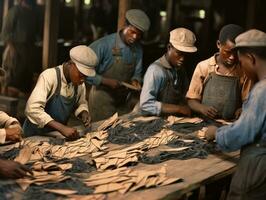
(98, 79)
(139, 79)
(2, 135)
(80, 109)
(10, 121)
(158, 106)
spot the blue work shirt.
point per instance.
(103, 49)
(153, 83)
(250, 127)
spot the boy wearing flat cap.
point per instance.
(218, 86)
(59, 92)
(120, 59)
(165, 82)
(248, 133)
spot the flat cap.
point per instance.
(183, 40)
(139, 19)
(85, 59)
(251, 38)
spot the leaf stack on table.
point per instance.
(104, 161)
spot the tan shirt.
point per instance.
(202, 71)
(44, 90)
(5, 122)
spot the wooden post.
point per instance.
(50, 33)
(251, 13)
(169, 14)
(78, 16)
(124, 5)
(6, 6)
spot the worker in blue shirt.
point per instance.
(120, 59)
(248, 133)
(165, 82)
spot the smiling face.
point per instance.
(176, 58)
(76, 77)
(131, 35)
(227, 54)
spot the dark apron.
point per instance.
(249, 180)
(223, 93)
(174, 90)
(104, 101)
(58, 107)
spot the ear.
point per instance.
(252, 58)
(218, 44)
(168, 47)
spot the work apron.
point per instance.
(249, 180)
(104, 101)
(223, 93)
(58, 107)
(173, 91)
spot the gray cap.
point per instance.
(85, 59)
(139, 19)
(183, 40)
(251, 38)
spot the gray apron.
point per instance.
(174, 88)
(249, 180)
(58, 107)
(223, 93)
(104, 101)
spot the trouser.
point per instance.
(249, 181)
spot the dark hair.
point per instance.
(230, 32)
(258, 51)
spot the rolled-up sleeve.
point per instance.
(5, 122)
(36, 103)
(82, 104)
(247, 127)
(196, 84)
(153, 81)
(100, 47)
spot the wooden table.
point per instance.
(194, 172)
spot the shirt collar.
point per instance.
(64, 81)
(119, 42)
(164, 62)
(213, 62)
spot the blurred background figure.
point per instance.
(19, 34)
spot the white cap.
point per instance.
(183, 40)
(85, 59)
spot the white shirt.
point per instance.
(44, 90)
(5, 122)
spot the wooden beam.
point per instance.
(169, 15)
(50, 34)
(124, 5)
(251, 13)
(78, 5)
(6, 6)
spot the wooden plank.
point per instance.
(50, 34)
(207, 170)
(124, 5)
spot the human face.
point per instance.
(176, 58)
(131, 35)
(247, 64)
(227, 54)
(76, 77)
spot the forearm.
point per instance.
(195, 105)
(56, 125)
(172, 109)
